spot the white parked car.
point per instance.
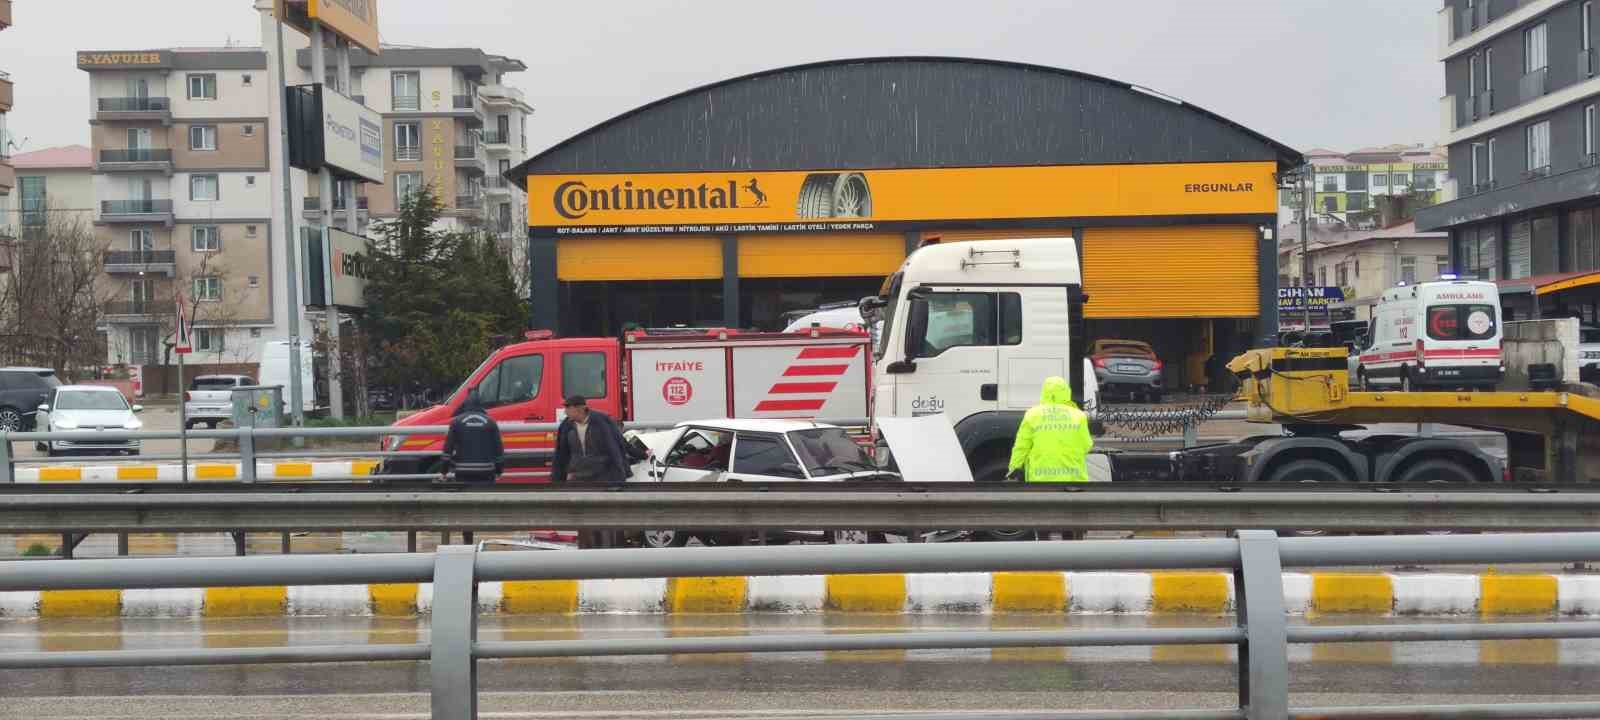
(751, 450)
(88, 408)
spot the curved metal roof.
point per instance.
(896, 112)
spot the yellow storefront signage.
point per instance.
(877, 199)
(355, 20)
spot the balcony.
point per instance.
(471, 105)
(469, 202)
(139, 109)
(404, 103)
(409, 154)
(5, 92)
(136, 160)
(494, 141)
(1534, 85)
(313, 208)
(501, 96)
(1485, 105)
(1536, 173)
(470, 158)
(140, 262)
(137, 311)
(1586, 64)
(136, 211)
(498, 185)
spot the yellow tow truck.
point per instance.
(1552, 436)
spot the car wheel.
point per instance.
(10, 420)
(664, 538)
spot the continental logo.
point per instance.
(822, 195)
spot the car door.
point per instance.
(701, 455)
(953, 334)
(589, 373)
(763, 457)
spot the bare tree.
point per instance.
(50, 307)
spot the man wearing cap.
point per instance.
(588, 446)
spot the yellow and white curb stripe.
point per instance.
(301, 470)
(1204, 593)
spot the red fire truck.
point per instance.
(653, 377)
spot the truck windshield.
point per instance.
(1461, 322)
(830, 451)
(891, 296)
(463, 386)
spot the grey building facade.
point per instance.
(1520, 121)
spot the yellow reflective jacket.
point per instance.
(1054, 440)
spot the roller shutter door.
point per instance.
(999, 234)
(1171, 272)
(821, 255)
(632, 257)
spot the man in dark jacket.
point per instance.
(589, 446)
(473, 447)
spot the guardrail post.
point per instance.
(6, 474)
(1264, 654)
(247, 453)
(453, 632)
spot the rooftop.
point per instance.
(62, 157)
(1324, 238)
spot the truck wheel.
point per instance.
(1008, 535)
(1307, 471)
(664, 538)
(816, 196)
(1438, 471)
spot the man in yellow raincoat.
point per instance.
(1053, 443)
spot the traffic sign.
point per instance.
(182, 346)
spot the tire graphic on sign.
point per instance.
(677, 391)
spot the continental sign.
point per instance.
(874, 199)
(93, 60)
(355, 20)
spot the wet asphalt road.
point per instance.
(807, 684)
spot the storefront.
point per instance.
(732, 204)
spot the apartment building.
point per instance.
(52, 183)
(8, 175)
(1371, 187)
(188, 176)
(1519, 119)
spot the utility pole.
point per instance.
(297, 411)
(1307, 200)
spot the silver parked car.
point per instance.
(88, 408)
(1128, 366)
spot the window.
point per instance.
(407, 141)
(1472, 75)
(505, 218)
(203, 188)
(1380, 180)
(829, 451)
(702, 450)
(1441, 265)
(202, 137)
(249, 131)
(950, 320)
(1330, 183)
(1535, 53)
(203, 87)
(1400, 180)
(1322, 276)
(255, 281)
(1408, 269)
(1461, 322)
(1356, 201)
(1586, 11)
(140, 239)
(249, 231)
(1488, 71)
(140, 291)
(407, 90)
(206, 238)
(1539, 147)
(764, 455)
(246, 80)
(1344, 275)
(406, 185)
(583, 373)
(208, 288)
(34, 199)
(1490, 155)
(1358, 268)
(514, 381)
(1588, 131)
(208, 340)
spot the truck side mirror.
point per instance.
(916, 325)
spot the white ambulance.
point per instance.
(1441, 335)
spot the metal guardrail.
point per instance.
(1256, 558)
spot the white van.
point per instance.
(275, 371)
(1443, 334)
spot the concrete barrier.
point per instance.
(199, 471)
(1166, 593)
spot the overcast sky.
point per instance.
(1338, 75)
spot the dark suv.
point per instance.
(22, 391)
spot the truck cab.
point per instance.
(971, 330)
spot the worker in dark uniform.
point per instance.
(473, 448)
